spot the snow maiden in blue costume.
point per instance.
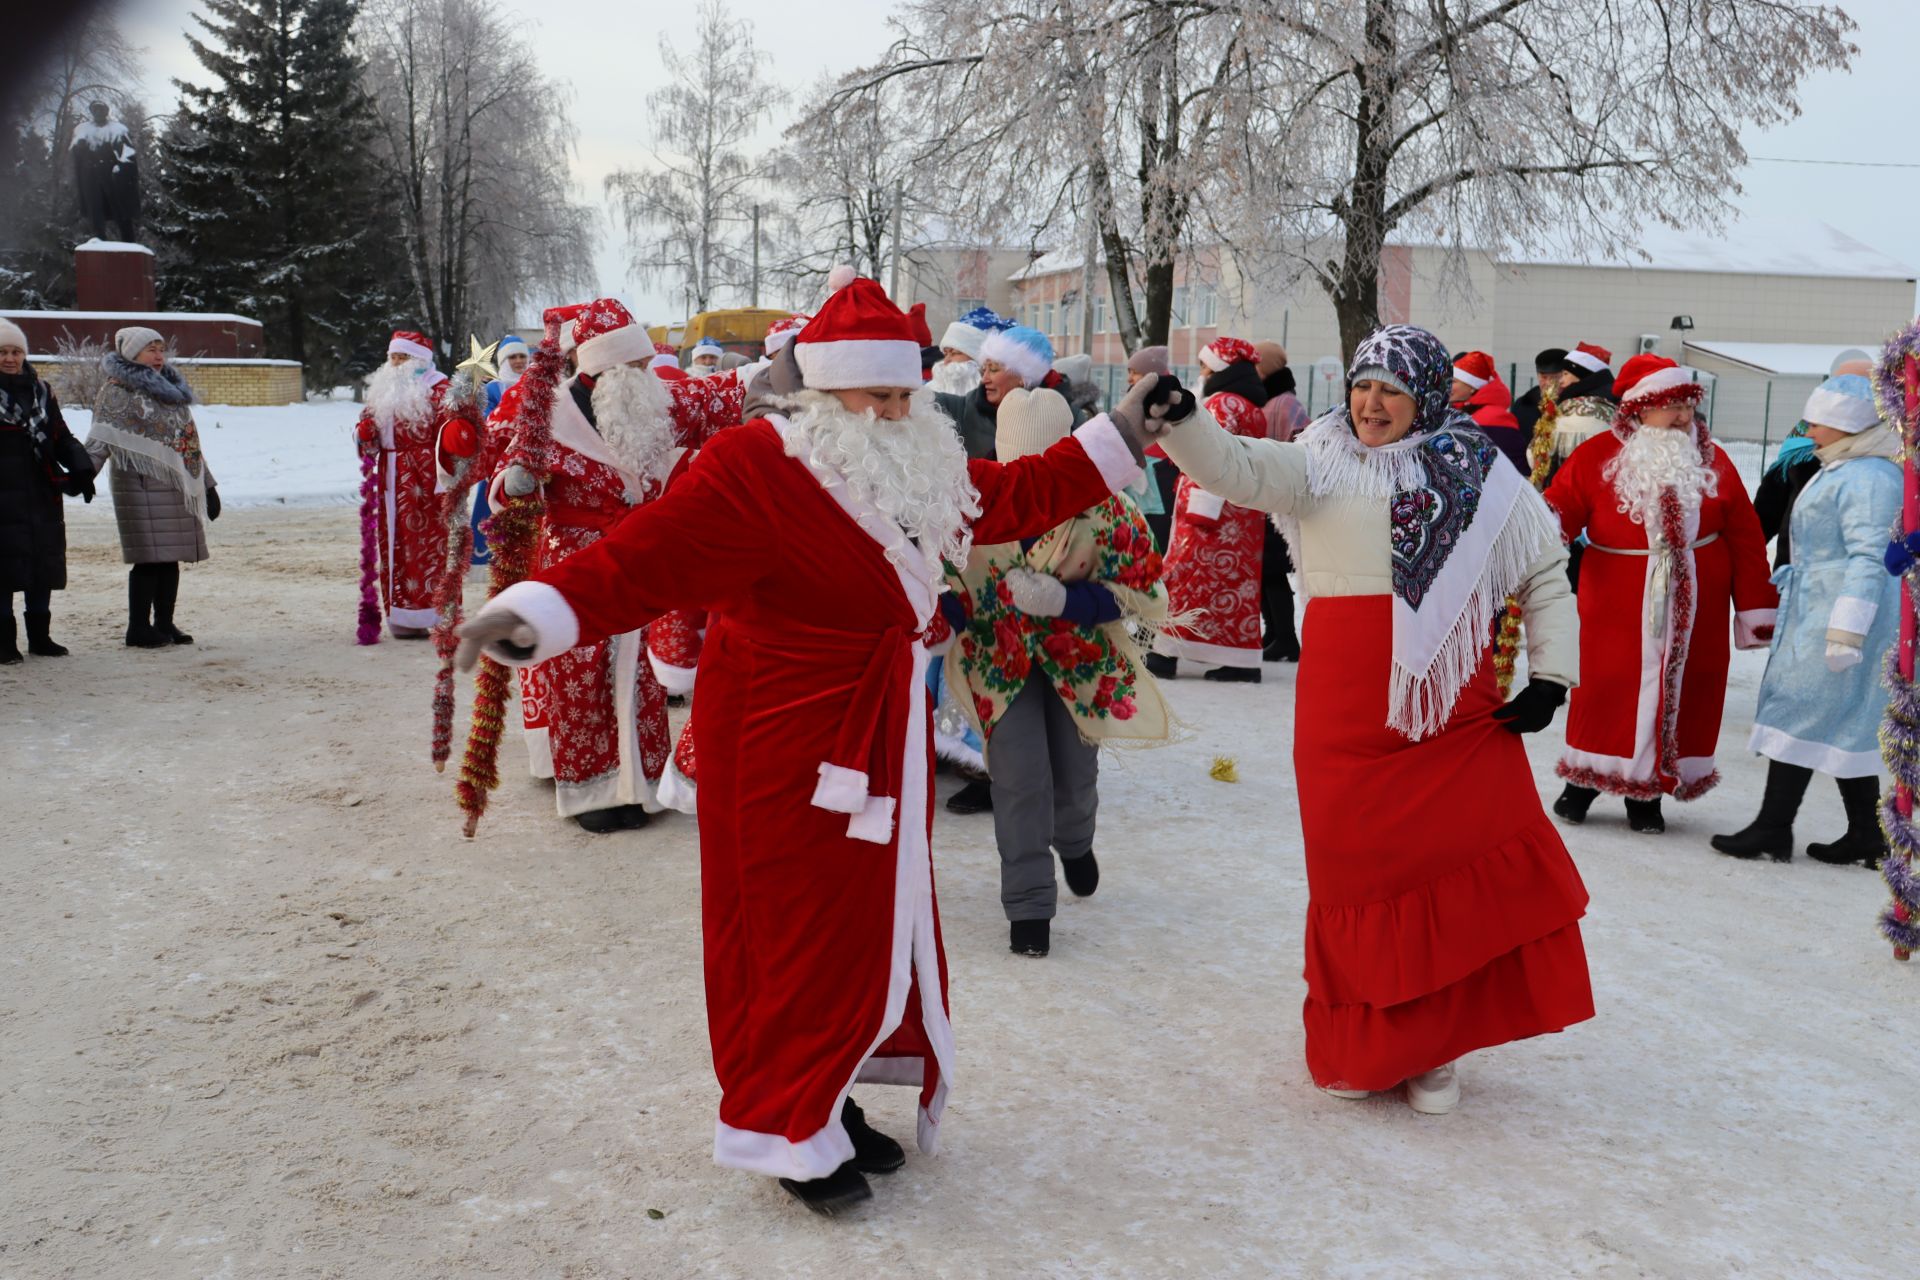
(1821, 699)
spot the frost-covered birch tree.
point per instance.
(1300, 136)
(688, 218)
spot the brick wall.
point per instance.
(212, 381)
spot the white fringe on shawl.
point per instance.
(1437, 648)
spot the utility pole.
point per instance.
(1086, 285)
(756, 256)
(893, 284)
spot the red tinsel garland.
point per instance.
(449, 594)
(368, 629)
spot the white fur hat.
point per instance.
(11, 336)
(1030, 421)
(134, 339)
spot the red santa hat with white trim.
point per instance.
(607, 335)
(858, 338)
(1588, 358)
(781, 332)
(1475, 368)
(1223, 351)
(1649, 381)
(410, 342)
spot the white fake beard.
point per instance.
(635, 418)
(914, 470)
(399, 393)
(955, 378)
(1653, 460)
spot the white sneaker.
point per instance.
(1435, 1092)
(1351, 1095)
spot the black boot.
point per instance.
(1644, 816)
(1574, 803)
(1233, 675)
(1771, 833)
(1162, 667)
(1030, 937)
(40, 636)
(975, 797)
(621, 817)
(1083, 873)
(166, 591)
(1864, 842)
(834, 1194)
(1282, 648)
(1276, 612)
(140, 588)
(873, 1151)
(9, 641)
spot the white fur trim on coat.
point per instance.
(556, 627)
(1108, 450)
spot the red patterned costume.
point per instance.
(412, 541)
(1213, 562)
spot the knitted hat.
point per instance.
(858, 339)
(1030, 422)
(1588, 358)
(1843, 402)
(1272, 358)
(135, 338)
(1380, 373)
(11, 335)
(1475, 368)
(508, 345)
(607, 335)
(1649, 381)
(1025, 351)
(1150, 360)
(406, 342)
(1221, 352)
(781, 332)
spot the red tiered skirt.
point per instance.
(1444, 910)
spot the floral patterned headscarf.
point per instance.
(1420, 363)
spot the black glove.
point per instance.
(80, 486)
(1531, 710)
(213, 504)
(1179, 401)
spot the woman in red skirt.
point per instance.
(1444, 911)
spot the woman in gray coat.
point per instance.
(163, 493)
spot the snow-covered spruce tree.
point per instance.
(1300, 136)
(273, 206)
(688, 218)
(474, 139)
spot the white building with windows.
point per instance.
(1756, 306)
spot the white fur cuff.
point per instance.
(1851, 613)
(840, 790)
(1747, 625)
(556, 628)
(1204, 505)
(1107, 448)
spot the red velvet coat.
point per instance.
(413, 545)
(823, 957)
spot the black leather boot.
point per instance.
(873, 1151)
(836, 1193)
(1082, 873)
(1030, 937)
(140, 587)
(40, 636)
(1574, 803)
(1233, 675)
(1644, 816)
(1161, 667)
(1864, 842)
(1770, 833)
(621, 817)
(9, 641)
(166, 592)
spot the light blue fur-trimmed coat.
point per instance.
(1837, 588)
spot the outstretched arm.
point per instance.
(1026, 498)
(1263, 474)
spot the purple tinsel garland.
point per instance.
(369, 628)
(1900, 729)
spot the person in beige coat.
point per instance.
(1443, 911)
(163, 493)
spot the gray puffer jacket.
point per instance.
(156, 501)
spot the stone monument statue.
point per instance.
(107, 174)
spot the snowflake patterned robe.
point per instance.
(412, 541)
(1213, 562)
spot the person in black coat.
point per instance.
(40, 463)
(1526, 408)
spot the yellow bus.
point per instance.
(741, 329)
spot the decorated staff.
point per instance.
(1897, 387)
(1506, 644)
(461, 437)
(511, 532)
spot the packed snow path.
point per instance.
(266, 1013)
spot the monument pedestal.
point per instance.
(111, 275)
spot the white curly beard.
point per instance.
(914, 470)
(634, 414)
(1653, 460)
(399, 393)
(955, 377)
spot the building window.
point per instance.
(1207, 303)
(1100, 313)
(1047, 328)
(963, 305)
(1179, 318)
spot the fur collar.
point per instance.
(165, 384)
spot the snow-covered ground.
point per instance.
(297, 455)
(264, 1012)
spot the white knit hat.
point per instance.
(1030, 421)
(11, 336)
(134, 339)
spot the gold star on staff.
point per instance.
(481, 361)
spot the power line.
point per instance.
(1853, 164)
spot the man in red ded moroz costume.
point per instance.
(823, 955)
(1479, 392)
(1213, 559)
(1674, 547)
(400, 427)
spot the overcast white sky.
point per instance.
(607, 51)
